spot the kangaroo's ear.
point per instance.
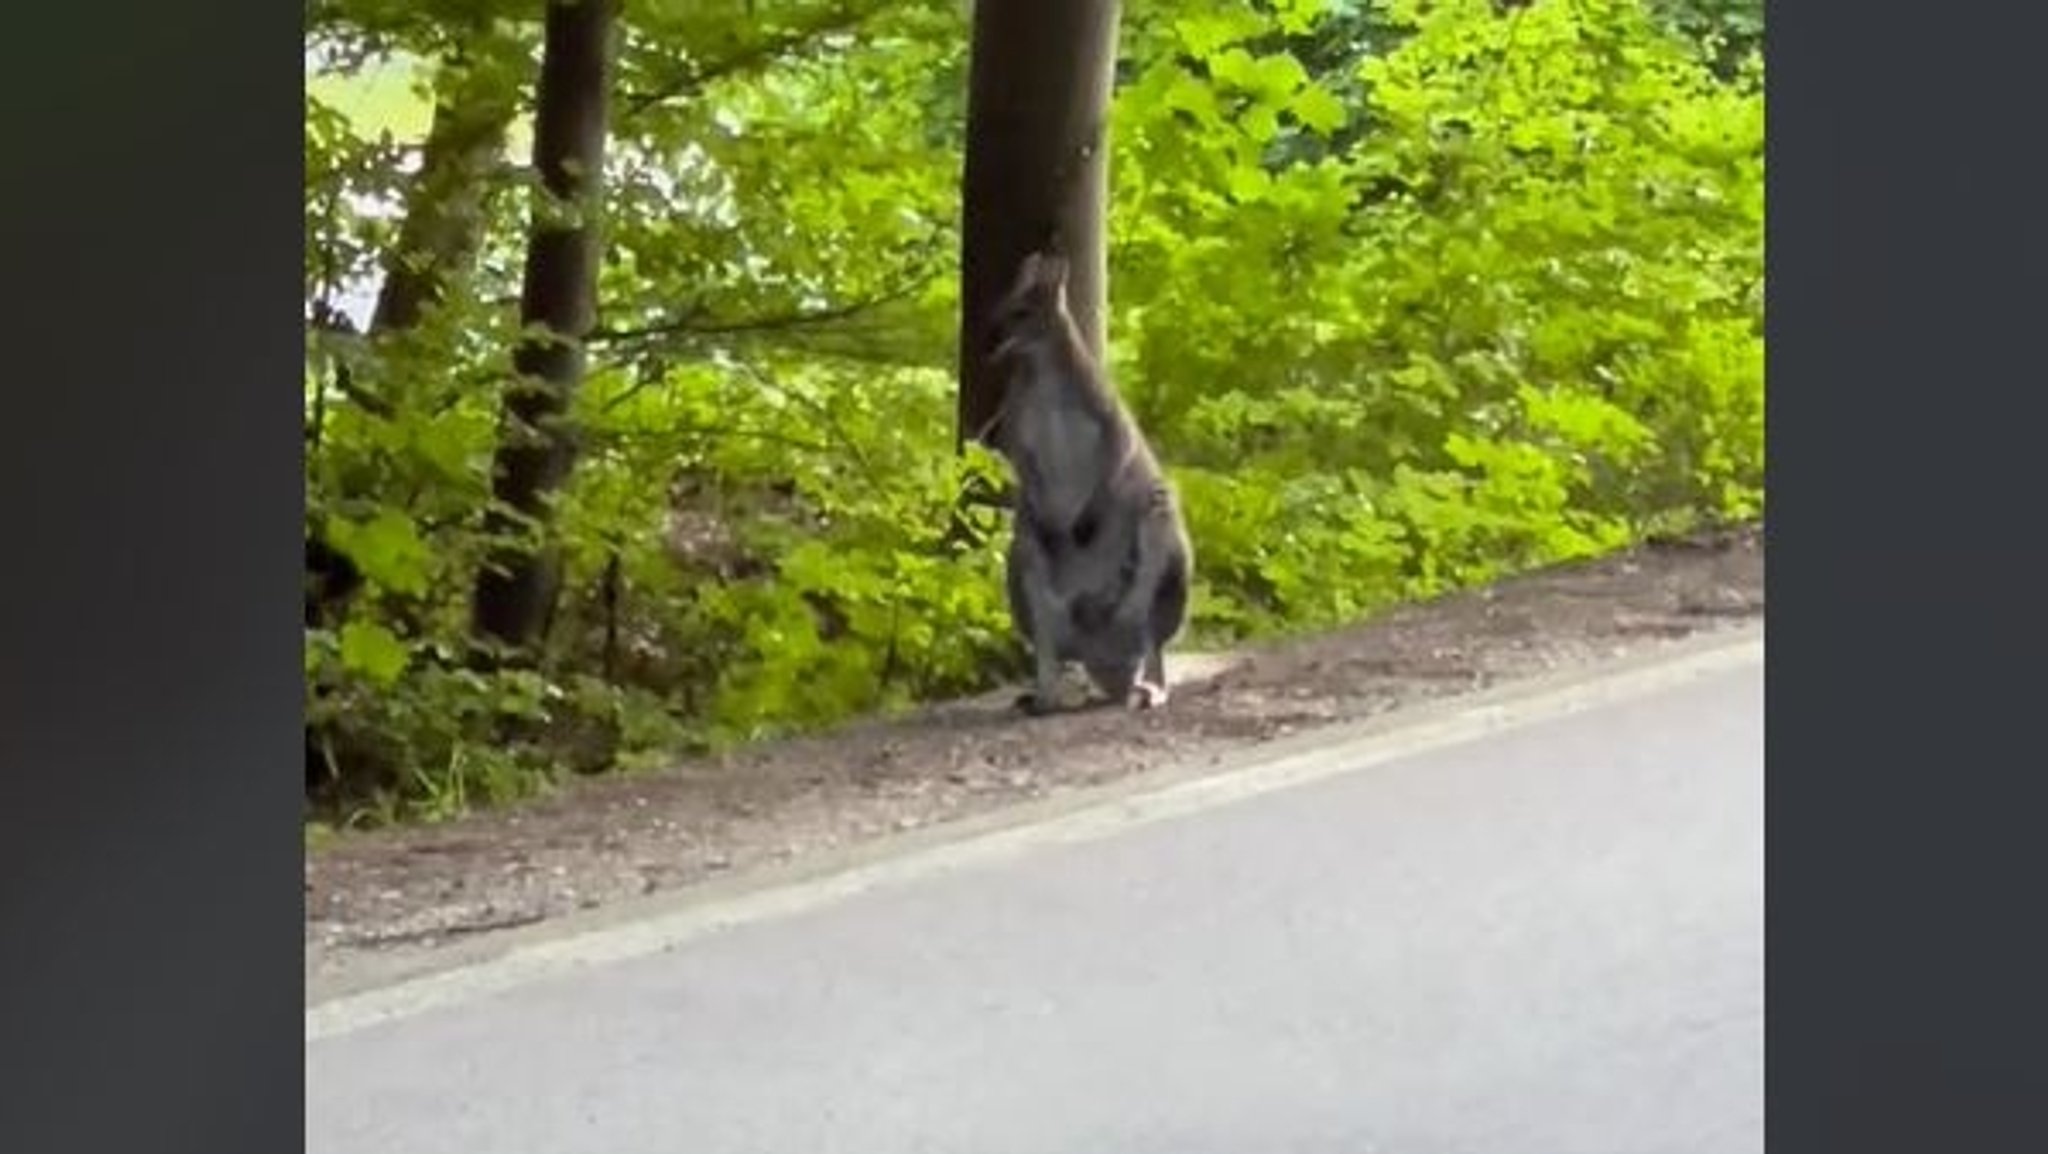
(1028, 276)
(1051, 270)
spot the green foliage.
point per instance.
(1521, 320)
(1410, 295)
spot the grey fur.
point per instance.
(1099, 560)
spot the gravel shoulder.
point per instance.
(373, 899)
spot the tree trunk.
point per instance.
(517, 585)
(444, 212)
(437, 245)
(1039, 85)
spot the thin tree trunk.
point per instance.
(1039, 86)
(444, 216)
(437, 247)
(536, 450)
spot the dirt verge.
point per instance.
(603, 840)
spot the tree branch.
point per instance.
(331, 323)
(694, 322)
(692, 80)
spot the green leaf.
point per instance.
(374, 652)
(1317, 110)
(1206, 35)
(387, 549)
(1247, 184)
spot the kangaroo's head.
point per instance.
(1034, 307)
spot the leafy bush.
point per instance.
(1519, 322)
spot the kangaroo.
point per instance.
(1099, 561)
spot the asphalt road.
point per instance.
(1546, 939)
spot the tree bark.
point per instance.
(536, 451)
(1039, 83)
(444, 214)
(437, 246)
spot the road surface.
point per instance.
(1544, 937)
